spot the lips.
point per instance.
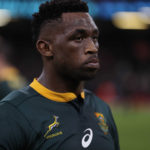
(93, 60)
(92, 63)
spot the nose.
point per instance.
(91, 47)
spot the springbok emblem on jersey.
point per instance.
(51, 126)
(102, 122)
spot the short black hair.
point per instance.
(52, 10)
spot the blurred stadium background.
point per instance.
(124, 78)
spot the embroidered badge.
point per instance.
(47, 135)
(102, 122)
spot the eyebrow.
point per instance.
(84, 32)
(81, 31)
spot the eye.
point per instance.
(79, 38)
(95, 38)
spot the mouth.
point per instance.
(92, 63)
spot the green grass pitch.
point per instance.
(133, 128)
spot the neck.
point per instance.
(59, 84)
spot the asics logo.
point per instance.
(87, 138)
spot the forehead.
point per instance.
(69, 23)
(78, 20)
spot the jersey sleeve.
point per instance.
(14, 129)
(113, 129)
(101, 106)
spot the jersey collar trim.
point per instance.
(55, 96)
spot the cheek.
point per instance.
(69, 53)
(76, 57)
(71, 60)
(76, 50)
(76, 54)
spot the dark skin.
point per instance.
(69, 51)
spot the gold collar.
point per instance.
(55, 96)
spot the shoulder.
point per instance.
(10, 105)
(98, 105)
(95, 101)
(18, 97)
(14, 126)
(102, 108)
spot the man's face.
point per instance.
(75, 47)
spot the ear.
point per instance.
(44, 47)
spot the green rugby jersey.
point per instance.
(36, 118)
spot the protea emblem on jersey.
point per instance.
(50, 127)
(102, 122)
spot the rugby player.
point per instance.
(55, 112)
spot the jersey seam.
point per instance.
(20, 103)
(27, 99)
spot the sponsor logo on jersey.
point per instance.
(87, 138)
(102, 122)
(55, 124)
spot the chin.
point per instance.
(88, 75)
(81, 74)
